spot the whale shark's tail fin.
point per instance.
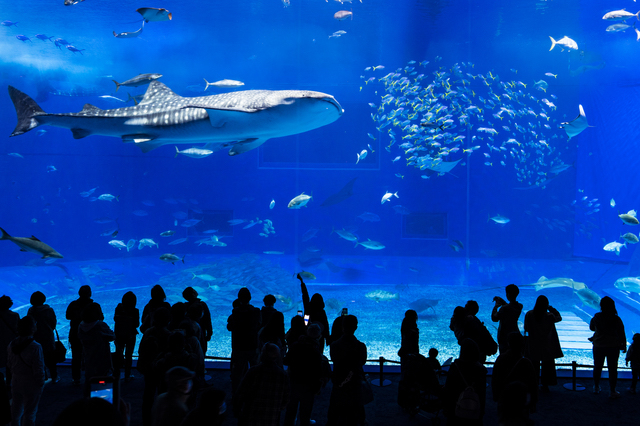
(26, 109)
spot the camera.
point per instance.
(104, 387)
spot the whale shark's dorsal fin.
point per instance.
(90, 108)
(157, 92)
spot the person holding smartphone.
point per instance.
(314, 307)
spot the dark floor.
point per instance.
(559, 407)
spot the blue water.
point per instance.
(555, 229)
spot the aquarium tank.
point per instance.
(404, 154)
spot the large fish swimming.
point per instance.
(240, 120)
(32, 244)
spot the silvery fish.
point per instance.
(564, 41)
(299, 201)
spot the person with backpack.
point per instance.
(464, 392)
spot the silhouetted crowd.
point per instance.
(173, 346)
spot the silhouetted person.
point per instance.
(457, 323)
(153, 344)
(273, 332)
(74, 315)
(158, 300)
(465, 371)
(349, 356)
(506, 315)
(512, 366)
(410, 335)
(127, 321)
(26, 360)
(608, 340)
(244, 324)
(336, 327)
(175, 356)
(170, 408)
(304, 361)
(95, 335)
(633, 357)
(8, 331)
(45, 322)
(513, 406)
(94, 412)
(298, 328)
(263, 392)
(544, 344)
(432, 360)
(268, 309)
(210, 409)
(191, 296)
(314, 307)
(475, 330)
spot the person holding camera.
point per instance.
(506, 315)
(544, 345)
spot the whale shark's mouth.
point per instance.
(331, 100)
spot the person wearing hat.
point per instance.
(170, 408)
(244, 324)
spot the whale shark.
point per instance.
(240, 121)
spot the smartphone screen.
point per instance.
(299, 313)
(345, 311)
(306, 320)
(102, 389)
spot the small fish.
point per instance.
(23, 38)
(612, 203)
(167, 233)
(614, 247)
(75, 49)
(146, 242)
(140, 213)
(272, 204)
(43, 37)
(118, 244)
(234, 222)
(630, 238)
(194, 152)
(203, 277)
(9, 23)
(396, 159)
(273, 252)
(565, 42)
(139, 80)
(171, 258)
(628, 219)
(548, 74)
(370, 245)
(341, 15)
(15, 154)
(108, 197)
(299, 201)
(51, 169)
(225, 84)
(381, 295)
(619, 15)
(500, 219)
(387, 197)
(362, 155)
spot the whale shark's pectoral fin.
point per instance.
(143, 141)
(80, 133)
(246, 145)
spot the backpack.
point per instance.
(468, 405)
(148, 351)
